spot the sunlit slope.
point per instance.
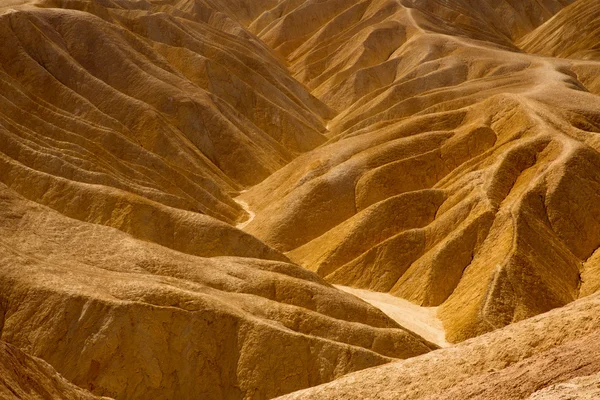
(531, 358)
(165, 108)
(150, 118)
(426, 149)
(328, 43)
(26, 377)
(572, 33)
(133, 320)
(584, 388)
(458, 173)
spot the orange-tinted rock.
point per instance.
(181, 183)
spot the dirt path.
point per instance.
(420, 320)
(246, 208)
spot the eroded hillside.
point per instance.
(181, 183)
(458, 173)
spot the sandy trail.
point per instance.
(420, 320)
(246, 208)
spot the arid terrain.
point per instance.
(314, 199)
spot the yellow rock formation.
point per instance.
(182, 183)
(25, 377)
(510, 363)
(459, 173)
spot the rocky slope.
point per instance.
(26, 377)
(130, 319)
(584, 388)
(571, 33)
(511, 363)
(182, 182)
(133, 126)
(458, 173)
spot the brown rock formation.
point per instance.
(586, 388)
(511, 363)
(130, 319)
(572, 33)
(451, 167)
(26, 377)
(181, 183)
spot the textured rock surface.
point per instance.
(26, 377)
(511, 363)
(131, 319)
(181, 183)
(572, 33)
(459, 173)
(586, 388)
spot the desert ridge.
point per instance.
(235, 199)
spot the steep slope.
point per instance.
(511, 363)
(167, 169)
(572, 33)
(149, 118)
(459, 174)
(291, 24)
(151, 112)
(335, 41)
(508, 19)
(130, 319)
(25, 377)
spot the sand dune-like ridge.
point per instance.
(182, 183)
(447, 178)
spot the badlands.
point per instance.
(314, 199)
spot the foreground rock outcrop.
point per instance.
(131, 319)
(26, 377)
(585, 388)
(511, 363)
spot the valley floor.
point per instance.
(421, 320)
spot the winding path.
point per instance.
(246, 208)
(421, 320)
